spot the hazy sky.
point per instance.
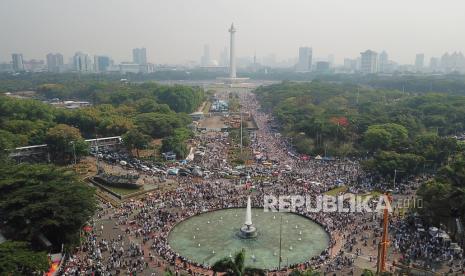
(174, 31)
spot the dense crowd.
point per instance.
(147, 222)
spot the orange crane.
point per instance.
(383, 245)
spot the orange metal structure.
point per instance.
(384, 244)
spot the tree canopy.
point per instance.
(394, 128)
(44, 199)
(118, 108)
(236, 266)
(65, 142)
(16, 258)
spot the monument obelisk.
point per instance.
(232, 58)
(232, 79)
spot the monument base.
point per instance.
(233, 80)
(247, 232)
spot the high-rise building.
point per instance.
(205, 60)
(34, 65)
(331, 60)
(419, 61)
(82, 63)
(18, 62)
(305, 59)
(350, 64)
(130, 67)
(369, 62)
(101, 63)
(54, 62)
(6, 67)
(453, 62)
(323, 66)
(383, 62)
(434, 64)
(139, 56)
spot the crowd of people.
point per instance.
(426, 248)
(139, 243)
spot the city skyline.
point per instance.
(173, 34)
(368, 61)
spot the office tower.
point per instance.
(18, 63)
(232, 57)
(34, 65)
(6, 67)
(130, 67)
(305, 59)
(101, 63)
(434, 64)
(323, 66)
(383, 62)
(453, 62)
(419, 61)
(139, 56)
(205, 60)
(369, 62)
(350, 64)
(82, 63)
(331, 60)
(54, 62)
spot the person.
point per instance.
(143, 225)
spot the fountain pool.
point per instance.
(208, 237)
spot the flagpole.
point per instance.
(280, 241)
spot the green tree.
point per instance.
(159, 125)
(387, 162)
(114, 125)
(436, 196)
(64, 142)
(177, 142)
(367, 272)
(9, 141)
(444, 196)
(52, 90)
(181, 98)
(44, 199)
(236, 266)
(435, 148)
(377, 138)
(151, 106)
(385, 137)
(134, 139)
(16, 258)
(176, 145)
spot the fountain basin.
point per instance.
(247, 232)
(221, 236)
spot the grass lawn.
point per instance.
(342, 189)
(336, 191)
(373, 194)
(206, 107)
(123, 191)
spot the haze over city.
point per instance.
(232, 137)
(175, 31)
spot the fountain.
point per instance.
(248, 230)
(228, 232)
